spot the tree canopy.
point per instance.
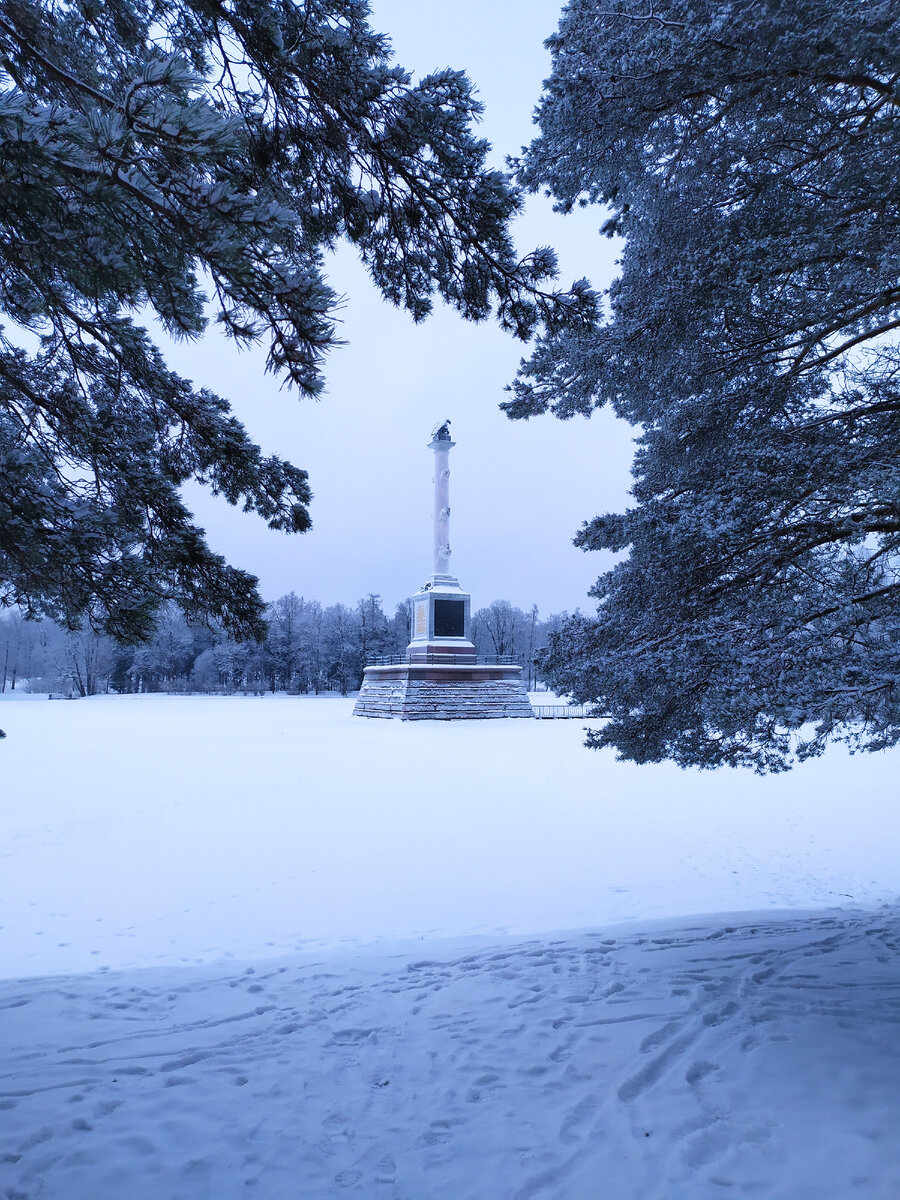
(193, 161)
(749, 157)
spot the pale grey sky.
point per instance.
(519, 490)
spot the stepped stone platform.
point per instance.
(422, 691)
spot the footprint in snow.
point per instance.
(699, 1070)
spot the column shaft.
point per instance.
(442, 508)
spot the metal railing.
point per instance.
(560, 712)
(443, 660)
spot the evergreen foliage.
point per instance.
(193, 161)
(749, 157)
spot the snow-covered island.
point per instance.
(255, 947)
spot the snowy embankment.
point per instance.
(389, 1023)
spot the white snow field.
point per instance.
(258, 947)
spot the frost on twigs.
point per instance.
(144, 147)
(749, 156)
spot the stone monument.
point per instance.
(440, 677)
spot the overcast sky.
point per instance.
(519, 490)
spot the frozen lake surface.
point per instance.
(340, 942)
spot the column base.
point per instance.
(422, 692)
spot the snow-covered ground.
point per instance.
(340, 942)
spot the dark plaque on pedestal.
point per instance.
(449, 618)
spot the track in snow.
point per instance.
(676, 1064)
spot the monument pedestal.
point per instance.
(443, 691)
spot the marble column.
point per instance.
(442, 445)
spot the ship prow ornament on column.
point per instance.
(440, 677)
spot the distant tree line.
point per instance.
(308, 649)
